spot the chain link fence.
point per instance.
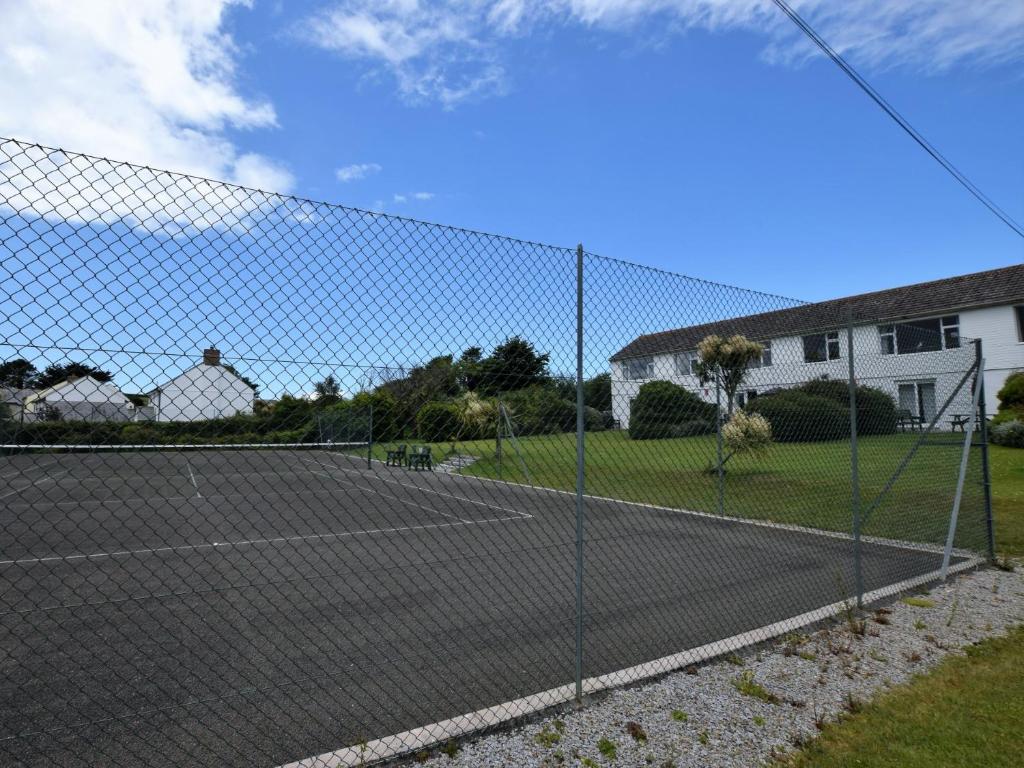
(289, 483)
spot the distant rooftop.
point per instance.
(949, 295)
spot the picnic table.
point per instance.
(961, 420)
(905, 419)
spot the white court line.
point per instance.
(249, 542)
(420, 487)
(389, 496)
(416, 739)
(193, 476)
(30, 467)
(34, 484)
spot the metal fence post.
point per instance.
(580, 424)
(497, 449)
(858, 574)
(986, 478)
(718, 440)
(369, 441)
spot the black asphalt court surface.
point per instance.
(256, 607)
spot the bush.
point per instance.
(876, 410)
(796, 416)
(1011, 394)
(661, 408)
(540, 411)
(747, 433)
(1009, 434)
(438, 422)
(692, 428)
(594, 420)
(479, 416)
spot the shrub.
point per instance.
(796, 416)
(1011, 394)
(479, 416)
(661, 408)
(438, 422)
(1009, 434)
(747, 433)
(594, 420)
(876, 410)
(692, 428)
(539, 411)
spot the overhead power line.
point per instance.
(926, 145)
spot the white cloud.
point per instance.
(153, 82)
(399, 198)
(450, 51)
(423, 195)
(357, 171)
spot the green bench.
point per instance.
(396, 456)
(419, 458)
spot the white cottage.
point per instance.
(208, 390)
(913, 342)
(80, 398)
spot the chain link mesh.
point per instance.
(287, 482)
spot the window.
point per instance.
(931, 335)
(766, 356)
(638, 368)
(1020, 322)
(917, 398)
(819, 347)
(686, 363)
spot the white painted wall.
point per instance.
(200, 393)
(996, 326)
(83, 390)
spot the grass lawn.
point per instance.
(1007, 470)
(802, 483)
(966, 712)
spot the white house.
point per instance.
(914, 342)
(208, 390)
(80, 398)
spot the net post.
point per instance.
(580, 424)
(720, 506)
(858, 572)
(369, 442)
(986, 478)
(498, 435)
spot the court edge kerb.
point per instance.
(425, 736)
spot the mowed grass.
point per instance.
(800, 483)
(966, 712)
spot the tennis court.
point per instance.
(256, 607)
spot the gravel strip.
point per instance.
(702, 718)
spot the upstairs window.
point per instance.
(821, 347)
(765, 360)
(638, 369)
(1019, 312)
(686, 363)
(931, 335)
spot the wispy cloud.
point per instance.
(399, 198)
(452, 51)
(423, 195)
(151, 82)
(357, 171)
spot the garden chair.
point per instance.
(419, 458)
(396, 456)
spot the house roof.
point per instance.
(41, 394)
(225, 371)
(949, 295)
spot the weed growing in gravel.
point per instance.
(586, 762)
(450, 748)
(548, 738)
(746, 685)
(735, 659)
(668, 764)
(919, 602)
(913, 657)
(679, 716)
(808, 655)
(422, 756)
(918, 624)
(877, 656)
(703, 738)
(852, 704)
(758, 720)
(955, 606)
(637, 732)
(1004, 564)
(607, 748)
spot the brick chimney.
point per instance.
(211, 356)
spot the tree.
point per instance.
(327, 391)
(597, 392)
(514, 364)
(55, 373)
(724, 362)
(18, 374)
(467, 369)
(245, 379)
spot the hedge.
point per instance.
(876, 411)
(796, 416)
(438, 422)
(662, 409)
(540, 411)
(1009, 434)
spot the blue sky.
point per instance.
(700, 137)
